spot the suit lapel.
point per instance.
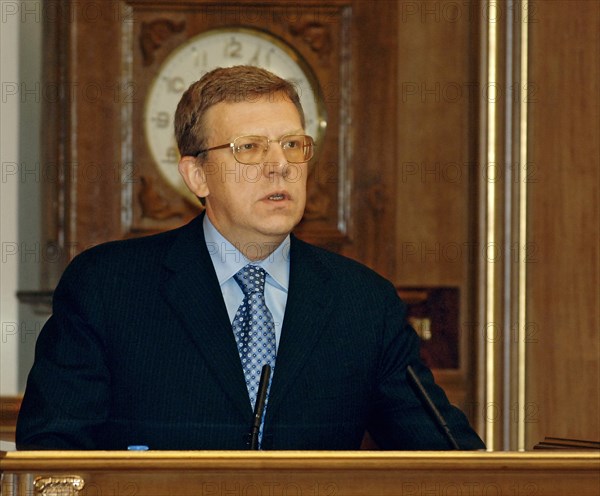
(192, 289)
(307, 310)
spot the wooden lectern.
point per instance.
(299, 473)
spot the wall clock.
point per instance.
(222, 47)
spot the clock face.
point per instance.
(221, 48)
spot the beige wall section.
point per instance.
(564, 356)
(9, 190)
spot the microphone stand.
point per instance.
(259, 406)
(437, 416)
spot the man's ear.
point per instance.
(193, 175)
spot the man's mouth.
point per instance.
(276, 196)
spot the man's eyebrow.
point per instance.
(285, 133)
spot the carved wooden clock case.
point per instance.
(105, 57)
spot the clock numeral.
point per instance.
(175, 84)
(233, 49)
(171, 155)
(255, 59)
(201, 59)
(162, 119)
(268, 57)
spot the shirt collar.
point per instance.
(228, 260)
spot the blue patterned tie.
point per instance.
(254, 328)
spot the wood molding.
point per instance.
(309, 472)
(9, 411)
(563, 352)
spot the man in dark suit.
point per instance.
(157, 341)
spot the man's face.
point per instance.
(253, 204)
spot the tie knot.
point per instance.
(251, 279)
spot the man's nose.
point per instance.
(270, 168)
(275, 161)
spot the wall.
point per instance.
(564, 358)
(9, 157)
(22, 254)
(438, 95)
(442, 121)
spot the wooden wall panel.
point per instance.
(564, 356)
(435, 156)
(435, 148)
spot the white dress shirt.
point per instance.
(228, 260)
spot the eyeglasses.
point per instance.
(252, 150)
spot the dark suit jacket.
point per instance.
(140, 350)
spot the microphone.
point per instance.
(437, 416)
(259, 406)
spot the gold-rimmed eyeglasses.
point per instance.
(252, 150)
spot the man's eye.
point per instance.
(290, 144)
(247, 147)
